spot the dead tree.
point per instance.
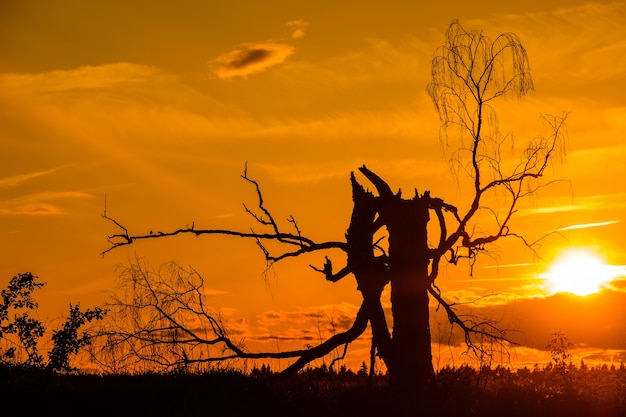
(469, 72)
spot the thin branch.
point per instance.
(304, 244)
(470, 329)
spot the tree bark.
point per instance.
(371, 272)
(412, 370)
(408, 353)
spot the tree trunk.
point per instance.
(411, 370)
(372, 273)
(407, 353)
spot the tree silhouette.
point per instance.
(469, 72)
(559, 346)
(20, 332)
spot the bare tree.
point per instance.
(469, 72)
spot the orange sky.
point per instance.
(158, 105)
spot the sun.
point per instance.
(578, 271)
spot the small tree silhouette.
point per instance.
(559, 346)
(20, 333)
(67, 341)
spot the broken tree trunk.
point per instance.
(408, 355)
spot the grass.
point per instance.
(549, 392)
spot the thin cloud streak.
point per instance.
(81, 78)
(36, 204)
(504, 266)
(594, 202)
(18, 179)
(36, 209)
(52, 195)
(587, 225)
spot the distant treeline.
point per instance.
(543, 391)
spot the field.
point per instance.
(549, 392)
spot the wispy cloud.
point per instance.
(593, 202)
(505, 266)
(299, 28)
(86, 77)
(476, 297)
(554, 209)
(54, 195)
(15, 180)
(38, 203)
(306, 323)
(36, 209)
(250, 58)
(587, 225)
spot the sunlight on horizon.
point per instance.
(580, 272)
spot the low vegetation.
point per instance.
(542, 391)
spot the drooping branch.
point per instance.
(161, 319)
(471, 328)
(537, 158)
(468, 72)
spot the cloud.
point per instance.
(483, 297)
(60, 195)
(211, 292)
(305, 324)
(32, 209)
(52, 195)
(592, 202)
(587, 225)
(35, 204)
(299, 27)
(250, 59)
(517, 265)
(86, 77)
(594, 321)
(17, 179)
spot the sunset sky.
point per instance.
(155, 107)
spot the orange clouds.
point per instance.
(32, 209)
(587, 225)
(299, 28)
(38, 203)
(253, 58)
(17, 179)
(82, 78)
(250, 59)
(306, 323)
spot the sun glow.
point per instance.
(579, 272)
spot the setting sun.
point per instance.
(579, 272)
